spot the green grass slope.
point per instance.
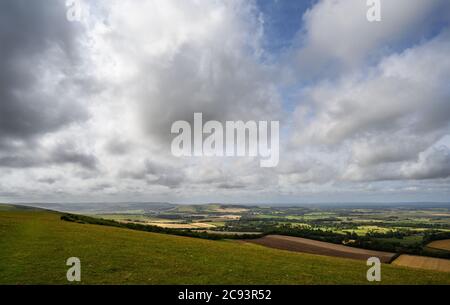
(34, 246)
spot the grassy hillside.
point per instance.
(34, 246)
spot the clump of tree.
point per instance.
(311, 233)
(434, 236)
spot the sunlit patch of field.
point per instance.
(268, 216)
(298, 225)
(415, 230)
(370, 220)
(230, 210)
(363, 230)
(175, 225)
(421, 262)
(231, 233)
(318, 215)
(229, 217)
(440, 245)
(217, 224)
(294, 217)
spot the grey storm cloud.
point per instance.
(229, 186)
(67, 154)
(61, 154)
(431, 165)
(37, 43)
(19, 162)
(117, 147)
(155, 173)
(48, 180)
(436, 165)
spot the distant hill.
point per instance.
(106, 207)
(158, 207)
(34, 246)
(12, 207)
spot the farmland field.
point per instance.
(440, 245)
(34, 246)
(421, 262)
(395, 228)
(414, 221)
(174, 225)
(321, 248)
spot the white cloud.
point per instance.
(384, 118)
(337, 36)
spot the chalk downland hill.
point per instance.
(35, 244)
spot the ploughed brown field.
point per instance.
(428, 263)
(298, 244)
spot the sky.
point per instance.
(86, 107)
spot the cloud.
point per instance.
(39, 70)
(388, 149)
(68, 154)
(406, 94)
(383, 118)
(336, 35)
(61, 154)
(86, 108)
(117, 147)
(431, 164)
(156, 174)
(170, 59)
(434, 165)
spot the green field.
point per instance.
(34, 246)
